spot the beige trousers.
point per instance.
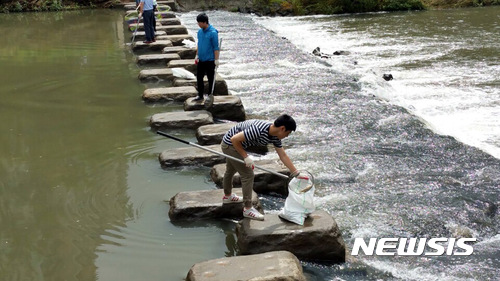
(246, 174)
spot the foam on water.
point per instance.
(440, 80)
(374, 167)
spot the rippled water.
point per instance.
(82, 193)
(381, 171)
(445, 64)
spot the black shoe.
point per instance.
(198, 99)
(147, 42)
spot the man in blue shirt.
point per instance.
(207, 55)
(146, 10)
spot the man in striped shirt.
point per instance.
(235, 142)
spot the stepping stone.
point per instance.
(169, 94)
(174, 30)
(190, 156)
(169, 21)
(156, 74)
(187, 64)
(272, 266)
(141, 35)
(212, 134)
(207, 204)
(165, 15)
(130, 6)
(318, 239)
(176, 39)
(170, 3)
(166, 20)
(264, 182)
(191, 119)
(183, 51)
(155, 46)
(224, 107)
(220, 88)
(156, 59)
(159, 24)
(131, 18)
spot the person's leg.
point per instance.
(246, 174)
(153, 24)
(154, 21)
(210, 69)
(200, 73)
(227, 182)
(247, 179)
(147, 24)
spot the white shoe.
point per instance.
(231, 199)
(252, 213)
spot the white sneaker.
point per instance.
(233, 198)
(252, 213)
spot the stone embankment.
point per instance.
(274, 242)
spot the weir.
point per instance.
(318, 239)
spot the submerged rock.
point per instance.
(341, 53)
(317, 52)
(387, 77)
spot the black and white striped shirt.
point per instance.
(256, 133)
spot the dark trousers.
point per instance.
(154, 18)
(205, 68)
(148, 24)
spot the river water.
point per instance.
(82, 193)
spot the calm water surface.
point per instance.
(81, 190)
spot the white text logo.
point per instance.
(414, 246)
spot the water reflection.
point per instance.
(62, 176)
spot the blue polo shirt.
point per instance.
(148, 5)
(208, 42)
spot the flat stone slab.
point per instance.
(271, 266)
(212, 134)
(173, 30)
(223, 107)
(264, 182)
(156, 59)
(141, 35)
(190, 156)
(176, 39)
(191, 119)
(220, 88)
(160, 24)
(155, 46)
(130, 6)
(170, 3)
(184, 63)
(318, 239)
(207, 204)
(166, 15)
(183, 51)
(179, 94)
(156, 74)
